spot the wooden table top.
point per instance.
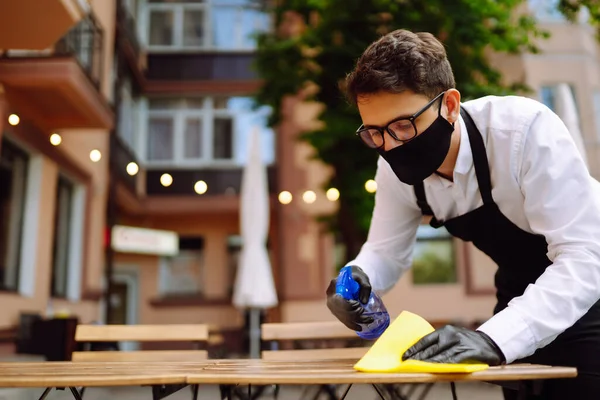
(262, 372)
(65, 374)
(255, 372)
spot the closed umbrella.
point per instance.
(567, 111)
(254, 287)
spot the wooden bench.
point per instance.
(141, 333)
(276, 332)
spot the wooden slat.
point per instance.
(145, 355)
(306, 330)
(350, 353)
(141, 333)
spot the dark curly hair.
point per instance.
(399, 61)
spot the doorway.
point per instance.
(124, 300)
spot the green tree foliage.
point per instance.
(336, 33)
(572, 8)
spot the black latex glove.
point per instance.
(349, 312)
(452, 344)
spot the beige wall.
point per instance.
(216, 279)
(77, 144)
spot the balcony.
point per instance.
(60, 88)
(221, 196)
(219, 181)
(37, 25)
(128, 42)
(206, 72)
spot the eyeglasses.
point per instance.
(402, 129)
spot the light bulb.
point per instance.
(95, 155)
(132, 168)
(332, 194)
(166, 180)
(371, 186)
(14, 119)
(285, 197)
(200, 187)
(309, 197)
(55, 139)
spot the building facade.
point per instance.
(56, 118)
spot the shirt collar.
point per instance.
(464, 160)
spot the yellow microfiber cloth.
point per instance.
(386, 353)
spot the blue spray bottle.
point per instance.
(348, 288)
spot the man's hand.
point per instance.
(454, 345)
(349, 312)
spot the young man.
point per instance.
(501, 172)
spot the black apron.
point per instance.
(521, 259)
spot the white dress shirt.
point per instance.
(540, 183)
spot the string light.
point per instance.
(332, 194)
(132, 168)
(285, 197)
(55, 139)
(309, 197)
(200, 187)
(371, 186)
(95, 155)
(14, 119)
(166, 180)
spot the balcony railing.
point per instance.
(85, 42)
(122, 157)
(219, 181)
(127, 27)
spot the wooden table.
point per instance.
(169, 377)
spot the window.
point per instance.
(548, 96)
(62, 237)
(203, 24)
(234, 249)
(433, 260)
(546, 10)
(132, 7)
(127, 116)
(182, 274)
(203, 131)
(13, 178)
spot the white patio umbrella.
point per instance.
(567, 111)
(254, 287)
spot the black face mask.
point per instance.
(414, 161)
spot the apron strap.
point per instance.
(422, 199)
(480, 160)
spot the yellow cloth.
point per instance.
(386, 353)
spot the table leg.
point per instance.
(75, 393)
(381, 396)
(195, 389)
(45, 394)
(346, 392)
(453, 390)
(161, 391)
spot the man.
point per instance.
(502, 172)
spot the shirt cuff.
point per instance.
(511, 333)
